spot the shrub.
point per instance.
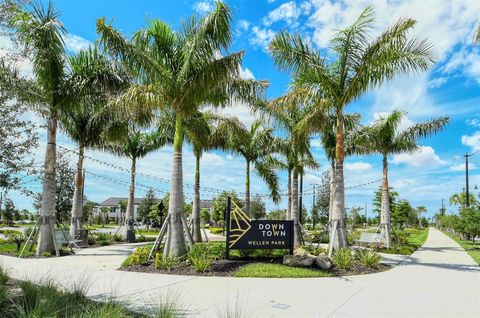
(3, 276)
(216, 230)
(140, 256)
(117, 238)
(92, 240)
(399, 236)
(368, 258)
(342, 258)
(319, 236)
(310, 248)
(167, 262)
(199, 257)
(46, 254)
(353, 236)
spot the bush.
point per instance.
(399, 236)
(140, 256)
(117, 238)
(216, 230)
(3, 276)
(342, 258)
(167, 262)
(319, 236)
(314, 250)
(368, 258)
(199, 257)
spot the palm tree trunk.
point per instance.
(247, 190)
(175, 243)
(197, 234)
(385, 206)
(294, 210)
(45, 238)
(332, 189)
(338, 207)
(130, 213)
(289, 187)
(77, 208)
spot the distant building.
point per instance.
(114, 211)
(113, 205)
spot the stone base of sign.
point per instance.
(323, 261)
(298, 260)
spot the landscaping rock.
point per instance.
(298, 260)
(323, 261)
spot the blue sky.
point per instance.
(450, 88)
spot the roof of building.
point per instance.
(115, 201)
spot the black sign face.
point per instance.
(243, 233)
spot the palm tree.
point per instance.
(295, 148)
(92, 77)
(215, 134)
(383, 137)
(477, 35)
(39, 29)
(358, 64)
(134, 144)
(181, 71)
(257, 145)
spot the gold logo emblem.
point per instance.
(239, 224)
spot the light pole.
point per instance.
(467, 191)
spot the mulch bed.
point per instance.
(226, 268)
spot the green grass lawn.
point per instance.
(472, 249)
(416, 238)
(147, 232)
(278, 271)
(11, 248)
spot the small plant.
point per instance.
(140, 256)
(46, 254)
(199, 257)
(167, 262)
(216, 230)
(314, 250)
(342, 258)
(117, 238)
(368, 258)
(3, 276)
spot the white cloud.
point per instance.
(75, 43)
(246, 74)
(243, 24)
(203, 7)
(467, 60)
(424, 157)
(437, 82)
(261, 37)
(473, 122)
(287, 12)
(472, 141)
(461, 167)
(358, 166)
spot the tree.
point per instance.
(92, 77)
(145, 207)
(404, 214)
(219, 205)
(257, 208)
(356, 63)
(461, 199)
(64, 188)
(181, 72)
(377, 200)
(277, 215)
(355, 218)
(9, 211)
(321, 207)
(207, 131)
(40, 31)
(18, 140)
(257, 145)
(134, 144)
(87, 213)
(477, 34)
(385, 138)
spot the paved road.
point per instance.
(439, 280)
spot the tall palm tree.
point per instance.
(39, 29)
(295, 148)
(477, 34)
(92, 77)
(385, 138)
(181, 71)
(216, 134)
(134, 144)
(257, 145)
(357, 64)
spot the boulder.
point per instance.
(323, 261)
(298, 260)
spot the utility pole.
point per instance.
(366, 218)
(443, 210)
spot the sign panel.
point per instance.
(243, 233)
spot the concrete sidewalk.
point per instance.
(439, 280)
